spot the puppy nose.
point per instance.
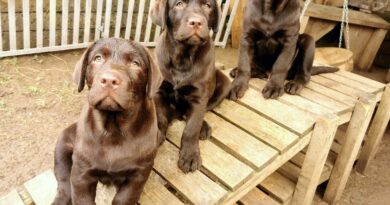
(194, 21)
(109, 80)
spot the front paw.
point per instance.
(272, 91)
(238, 89)
(293, 87)
(205, 132)
(189, 159)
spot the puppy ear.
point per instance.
(154, 77)
(80, 70)
(159, 13)
(216, 18)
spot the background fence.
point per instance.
(37, 26)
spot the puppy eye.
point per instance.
(180, 4)
(207, 5)
(135, 63)
(98, 58)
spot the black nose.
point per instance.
(108, 79)
(194, 21)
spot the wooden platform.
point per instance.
(251, 139)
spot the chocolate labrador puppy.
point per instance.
(116, 137)
(191, 85)
(270, 43)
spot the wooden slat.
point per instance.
(278, 186)
(262, 128)
(352, 83)
(317, 28)
(26, 24)
(280, 112)
(42, 188)
(52, 33)
(1, 33)
(149, 22)
(39, 20)
(129, 19)
(195, 187)
(361, 79)
(257, 197)
(291, 171)
(98, 26)
(11, 198)
(371, 50)
(295, 100)
(239, 143)
(230, 23)
(340, 97)
(107, 19)
(223, 19)
(338, 86)
(140, 17)
(118, 19)
(87, 20)
(217, 163)
(76, 21)
(12, 24)
(64, 22)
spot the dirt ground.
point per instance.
(38, 100)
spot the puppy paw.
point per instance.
(189, 160)
(238, 90)
(293, 87)
(205, 132)
(233, 72)
(272, 91)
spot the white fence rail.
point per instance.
(38, 26)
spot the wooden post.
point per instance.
(375, 133)
(354, 137)
(237, 24)
(321, 141)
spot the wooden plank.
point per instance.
(64, 22)
(87, 20)
(195, 187)
(363, 36)
(107, 19)
(353, 140)
(140, 17)
(295, 100)
(328, 102)
(237, 24)
(361, 79)
(11, 198)
(316, 155)
(26, 24)
(257, 197)
(76, 21)
(42, 188)
(318, 28)
(230, 23)
(291, 171)
(118, 19)
(39, 20)
(223, 19)
(338, 96)
(98, 26)
(367, 58)
(338, 86)
(239, 143)
(1, 33)
(304, 22)
(129, 19)
(351, 83)
(279, 187)
(52, 19)
(218, 164)
(375, 133)
(279, 112)
(12, 24)
(149, 23)
(262, 128)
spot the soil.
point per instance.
(38, 100)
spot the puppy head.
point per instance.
(118, 73)
(188, 20)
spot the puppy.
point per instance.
(191, 85)
(116, 137)
(270, 43)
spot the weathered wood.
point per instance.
(229, 24)
(87, 20)
(239, 143)
(218, 164)
(76, 21)
(42, 188)
(11, 198)
(367, 58)
(1, 33)
(257, 197)
(195, 187)
(354, 137)
(107, 19)
(12, 24)
(278, 186)
(53, 12)
(98, 26)
(264, 129)
(304, 22)
(149, 22)
(375, 133)
(140, 17)
(237, 24)
(64, 22)
(26, 24)
(353, 92)
(129, 19)
(118, 19)
(361, 79)
(318, 28)
(331, 93)
(352, 83)
(220, 26)
(321, 141)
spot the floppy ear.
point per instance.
(216, 18)
(80, 70)
(154, 77)
(159, 13)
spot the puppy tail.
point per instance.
(323, 69)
